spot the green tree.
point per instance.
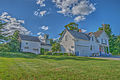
(56, 47)
(14, 44)
(117, 45)
(2, 36)
(107, 29)
(70, 26)
(112, 43)
(52, 41)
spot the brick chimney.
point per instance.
(80, 30)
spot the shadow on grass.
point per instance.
(57, 58)
(33, 56)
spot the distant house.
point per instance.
(34, 44)
(85, 44)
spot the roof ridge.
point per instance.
(79, 35)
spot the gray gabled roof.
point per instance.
(79, 35)
(29, 38)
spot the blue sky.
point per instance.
(106, 11)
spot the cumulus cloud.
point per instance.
(40, 13)
(79, 18)
(12, 25)
(41, 3)
(36, 13)
(78, 9)
(75, 8)
(44, 28)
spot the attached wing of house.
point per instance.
(33, 44)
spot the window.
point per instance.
(91, 48)
(92, 39)
(105, 41)
(26, 43)
(35, 49)
(46, 49)
(101, 40)
(72, 46)
(66, 38)
(26, 47)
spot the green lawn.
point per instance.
(19, 66)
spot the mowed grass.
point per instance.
(22, 66)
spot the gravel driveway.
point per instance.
(111, 58)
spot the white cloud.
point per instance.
(39, 12)
(56, 39)
(42, 13)
(41, 3)
(44, 28)
(36, 13)
(83, 30)
(79, 18)
(12, 25)
(41, 35)
(75, 8)
(83, 8)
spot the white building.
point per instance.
(34, 44)
(82, 44)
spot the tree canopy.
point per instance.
(107, 29)
(56, 47)
(70, 26)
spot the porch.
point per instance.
(104, 50)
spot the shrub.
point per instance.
(65, 54)
(58, 54)
(42, 50)
(4, 48)
(48, 53)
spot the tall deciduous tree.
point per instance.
(70, 26)
(117, 45)
(107, 29)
